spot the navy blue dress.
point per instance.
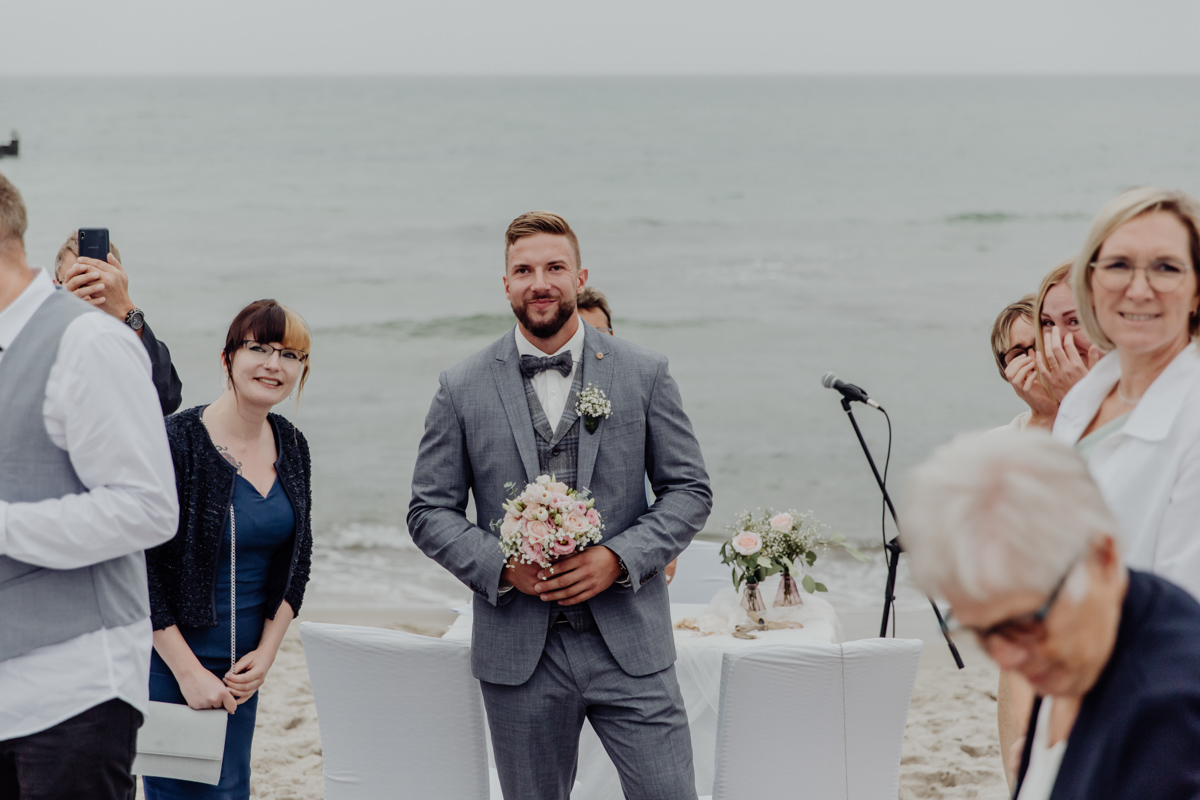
(264, 527)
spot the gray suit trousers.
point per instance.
(641, 722)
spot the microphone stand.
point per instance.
(893, 548)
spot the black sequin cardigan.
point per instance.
(182, 572)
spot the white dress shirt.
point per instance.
(551, 388)
(1044, 760)
(101, 408)
(1149, 470)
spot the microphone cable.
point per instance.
(887, 462)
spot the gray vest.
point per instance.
(558, 451)
(40, 606)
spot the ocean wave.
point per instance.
(1000, 217)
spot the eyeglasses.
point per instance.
(1023, 630)
(1117, 273)
(1013, 353)
(263, 352)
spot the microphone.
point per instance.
(848, 390)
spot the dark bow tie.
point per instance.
(532, 365)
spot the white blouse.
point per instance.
(1149, 470)
(1044, 760)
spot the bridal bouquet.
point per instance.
(547, 521)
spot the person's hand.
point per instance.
(579, 577)
(248, 674)
(1061, 367)
(103, 284)
(1022, 374)
(523, 577)
(670, 571)
(201, 689)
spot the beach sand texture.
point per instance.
(951, 749)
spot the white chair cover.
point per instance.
(815, 720)
(400, 715)
(699, 574)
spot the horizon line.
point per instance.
(634, 75)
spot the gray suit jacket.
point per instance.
(479, 435)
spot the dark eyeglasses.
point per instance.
(1024, 629)
(1013, 353)
(264, 351)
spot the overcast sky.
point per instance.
(600, 37)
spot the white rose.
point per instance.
(747, 543)
(782, 522)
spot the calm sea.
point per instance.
(758, 231)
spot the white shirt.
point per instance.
(102, 409)
(1044, 761)
(1149, 470)
(551, 388)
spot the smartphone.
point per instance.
(93, 243)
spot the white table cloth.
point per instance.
(698, 668)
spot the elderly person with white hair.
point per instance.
(1011, 529)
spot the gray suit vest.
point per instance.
(558, 451)
(41, 606)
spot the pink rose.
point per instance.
(575, 523)
(592, 517)
(782, 522)
(510, 525)
(538, 530)
(533, 551)
(560, 500)
(580, 507)
(747, 543)
(563, 547)
(558, 487)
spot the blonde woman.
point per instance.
(1136, 415)
(1064, 351)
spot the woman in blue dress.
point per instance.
(243, 476)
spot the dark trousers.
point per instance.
(85, 758)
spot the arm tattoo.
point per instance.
(224, 451)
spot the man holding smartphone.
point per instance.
(105, 284)
(86, 485)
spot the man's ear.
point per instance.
(507, 294)
(583, 276)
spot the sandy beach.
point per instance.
(951, 749)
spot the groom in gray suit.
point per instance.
(589, 637)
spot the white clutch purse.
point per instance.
(186, 743)
(181, 742)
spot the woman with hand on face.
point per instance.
(1064, 352)
(243, 476)
(1136, 415)
(1013, 341)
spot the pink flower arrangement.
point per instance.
(547, 521)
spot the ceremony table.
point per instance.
(698, 668)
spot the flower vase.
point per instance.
(752, 601)
(789, 593)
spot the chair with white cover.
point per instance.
(400, 715)
(699, 574)
(814, 720)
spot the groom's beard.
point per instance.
(547, 329)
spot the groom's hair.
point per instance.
(534, 222)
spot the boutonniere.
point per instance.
(593, 406)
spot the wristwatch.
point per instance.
(135, 319)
